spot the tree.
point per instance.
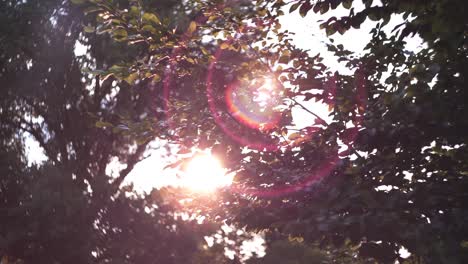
(70, 209)
(399, 113)
(409, 123)
(287, 252)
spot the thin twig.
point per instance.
(309, 111)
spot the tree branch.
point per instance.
(29, 128)
(309, 111)
(131, 162)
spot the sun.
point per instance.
(204, 173)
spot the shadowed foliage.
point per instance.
(386, 169)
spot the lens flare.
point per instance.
(311, 179)
(253, 106)
(205, 173)
(238, 99)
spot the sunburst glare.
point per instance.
(205, 173)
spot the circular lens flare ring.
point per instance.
(252, 106)
(216, 112)
(321, 172)
(262, 98)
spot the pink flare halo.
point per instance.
(243, 109)
(327, 167)
(176, 52)
(272, 192)
(243, 112)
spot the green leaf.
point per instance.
(283, 59)
(296, 64)
(324, 8)
(92, 9)
(130, 79)
(323, 25)
(294, 7)
(102, 124)
(464, 244)
(151, 18)
(330, 31)
(341, 29)
(284, 131)
(411, 91)
(192, 27)
(416, 69)
(316, 8)
(141, 141)
(117, 69)
(149, 28)
(357, 20)
(134, 11)
(334, 4)
(294, 136)
(88, 29)
(347, 4)
(367, 3)
(305, 9)
(93, 72)
(373, 16)
(120, 34)
(224, 46)
(78, 2)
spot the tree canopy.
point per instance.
(385, 170)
